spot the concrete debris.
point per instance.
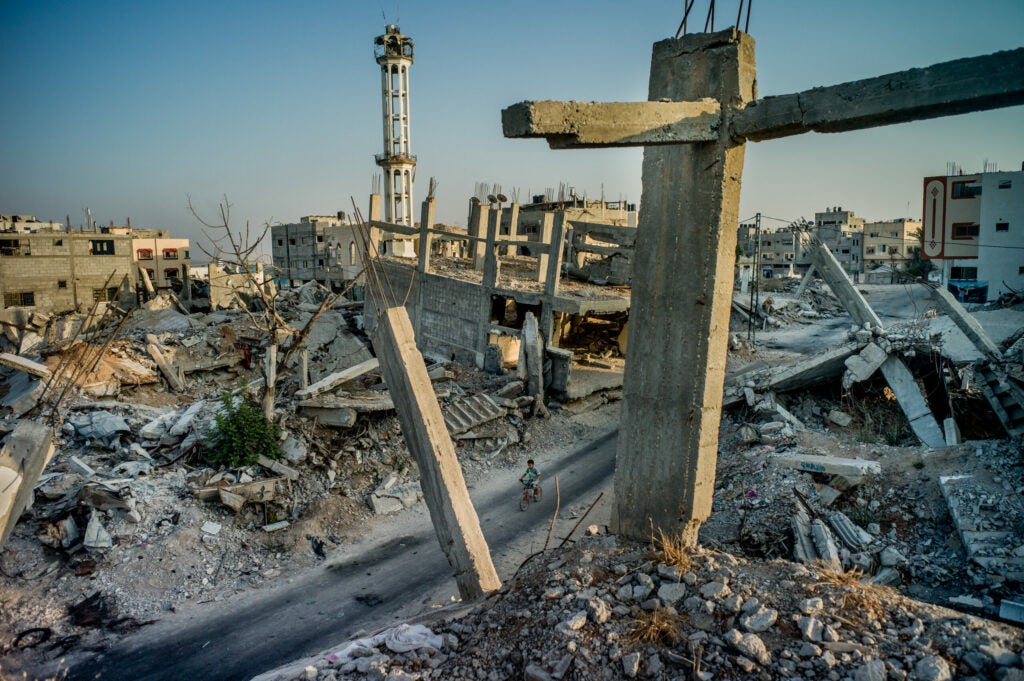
(339, 378)
(850, 468)
(469, 412)
(96, 536)
(989, 521)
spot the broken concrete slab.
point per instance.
(471, 411)
(806, 373)
(23, 394)
(339, 378)
(28, 449)
(840, 418)
(22, 364)
(913, 403)
(277, 467)
(863, 365)
(812, 463)
(169, 372)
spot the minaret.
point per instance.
(394, 54)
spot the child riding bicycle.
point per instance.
(531, 478)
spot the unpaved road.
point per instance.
(397, 573)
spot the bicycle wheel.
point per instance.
(524, 502)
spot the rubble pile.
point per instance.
(601, 610)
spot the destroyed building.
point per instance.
(46, 268)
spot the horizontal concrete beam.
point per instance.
(954, 87)
(579, 125)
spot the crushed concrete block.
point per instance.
(862, 366)
(295, 451)
(210, 527)
(852, 535)
(469, 412)
(841, 419)
(184, 423)
(951, 431)
(274, 527)
(96, 536)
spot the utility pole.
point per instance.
(755, 286)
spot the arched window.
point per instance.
(352, 253)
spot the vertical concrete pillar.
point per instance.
(186, 283)
(681, 298)
(547, 226)
(426, 238)
(491, 251)
(374, 233)
(477, 232)
(444, 488)
(513, 229)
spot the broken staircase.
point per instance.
(1007, 400)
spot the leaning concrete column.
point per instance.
(444, 488)
(547, 226)
(28, 449)
(681, 298)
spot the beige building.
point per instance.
(53, 270)
(891, 242)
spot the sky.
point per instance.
(133, 108)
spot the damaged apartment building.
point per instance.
(566, 259)
(48, 267)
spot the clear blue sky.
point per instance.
(129, 107)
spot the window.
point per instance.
(870, 250)
(170, 254)
(963, 273)
(1020, 270)
(1002, 226)
(320, 262)
(280, 242)
(1006, 184)
(319, 238)
(185, 254)
(873, 235)
(101, 247)
(171, 273)
(966, 190)
(846, 251)
(352, 253)
(10, 247)
(58, 242)
(19, 299)
(964, 230)
(291, 242)
(152, 274)
(893, 250)
(144, 254)
(62, 283)
(102, 295)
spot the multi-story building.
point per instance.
(891, 242)
(973, 231)
(322, 248)
(842, 232)
(51, 269)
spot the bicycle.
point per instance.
(529, 485)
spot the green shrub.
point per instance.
(240, 434)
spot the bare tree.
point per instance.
(240, 250)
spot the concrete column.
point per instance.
(478, 229)
(681, 298)
(804, 282)
(444, 488)
(833, 273)
(426, 238)
(186, 283)
(375, 209)
(547, 227)
(967, 323)
(491, 251)
(28, 449)
(304, 368)
(513, 229)
(554, 259)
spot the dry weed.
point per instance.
(869, 601)
(672, 550)
(658, 626)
